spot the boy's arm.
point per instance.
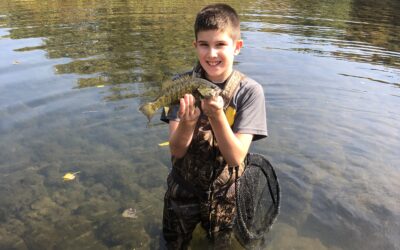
(181, 132)
(233, 146)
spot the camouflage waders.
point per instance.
(200, 187)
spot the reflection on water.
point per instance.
(354, 30)
(72, 74)
(109, 42)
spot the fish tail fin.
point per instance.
(148, 109)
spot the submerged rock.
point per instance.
(129, 213)
(9, 240)
(118, 231)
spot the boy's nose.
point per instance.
(213, 52)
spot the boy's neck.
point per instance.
(221, 83)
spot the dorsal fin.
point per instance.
(166, 82)
(169, 83)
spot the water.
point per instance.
(72, 74)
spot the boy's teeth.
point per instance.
(213, 63)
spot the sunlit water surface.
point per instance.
(72, 74)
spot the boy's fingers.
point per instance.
(187, 97)
(182, 107)
(220, 101)
(187, 109)
(191, 103)
(190, 100)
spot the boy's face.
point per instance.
(215, 51)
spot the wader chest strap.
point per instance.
(230, 87)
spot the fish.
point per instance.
(176, 89)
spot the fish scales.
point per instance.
(177, 89)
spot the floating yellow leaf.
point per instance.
(163, 144)
(70, 176)
(100, 86)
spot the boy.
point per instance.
(209, 143)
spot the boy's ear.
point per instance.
(194, 44)
(238, 46)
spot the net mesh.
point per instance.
(257, 198)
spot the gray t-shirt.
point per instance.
(249, 103)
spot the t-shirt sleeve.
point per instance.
(251, 117)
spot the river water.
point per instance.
(72, 74)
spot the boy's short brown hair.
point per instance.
(218, 17)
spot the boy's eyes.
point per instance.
(217, 45)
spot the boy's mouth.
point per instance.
(213, 63)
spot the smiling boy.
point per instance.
(208, 144)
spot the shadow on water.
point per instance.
(73, 73)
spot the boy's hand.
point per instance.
(212, 106)
(187, 110)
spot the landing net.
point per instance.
(257, 200)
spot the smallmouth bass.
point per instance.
(198, 87)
